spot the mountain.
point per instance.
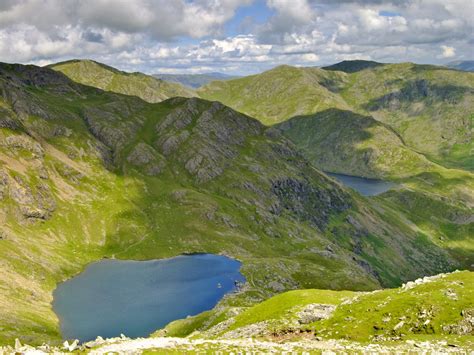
(466, 65)
(345, 142)
(430, 108)
(280, 93)
(146, 87)
(353, 66)
(194, 81)
(87, 174)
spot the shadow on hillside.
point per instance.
(353, 66)
(419, 90)
(334, 137)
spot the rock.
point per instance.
(315, 312)
(18, 345)
(248, 331)
(147, 158)
(451, 294)
(26, 143)
(276, 286)
(71, 347)
(399, 325)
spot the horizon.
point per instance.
(238, 75)
(234, 37)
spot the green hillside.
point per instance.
(146, 87)
(353, 144)
(430, 108)
(434, 308)
(280, 93)
(87, 174)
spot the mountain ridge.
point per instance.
(102, 76)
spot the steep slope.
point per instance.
(352, 144)
(431, 108)
(86, 174)
(280, 93)
(101, 76)
(194, 81)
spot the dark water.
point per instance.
(137, 297)
(366, 187)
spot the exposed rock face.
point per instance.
(8, 119)
(308, 202)
(26, 143)
(147, 158)
(204, 138)
(38, 204)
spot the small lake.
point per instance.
(138, 297)
(366, 187)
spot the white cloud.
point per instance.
(448, 52)
(190, 35)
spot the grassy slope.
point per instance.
(353, 144)
(280, 93)
(430, 310)
(146, 87)
(430, 108)
(64, 137)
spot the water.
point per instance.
(366, 187)
(137, 297)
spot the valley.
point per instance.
(93, 168)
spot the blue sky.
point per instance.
(234, 36)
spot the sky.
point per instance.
(236, 37)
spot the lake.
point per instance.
(366, 187)
(135, 298)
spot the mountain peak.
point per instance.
(92, 73)
(352, 66)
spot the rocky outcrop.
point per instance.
(26, 143)
(147, 158)
(204, 137)
(33, 202)
(315, 312)
(308, 202)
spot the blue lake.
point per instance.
(137, 297)
(366, 187)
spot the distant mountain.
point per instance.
(429, 107)
(148, 88)
(466, 65)
(352, 66)
(280, 93)
(194, 80)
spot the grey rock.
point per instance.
(315, 312)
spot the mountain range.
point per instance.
(236, 171)
(194, 81)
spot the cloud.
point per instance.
(190, 35)
(448, 52)
(161, 19)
